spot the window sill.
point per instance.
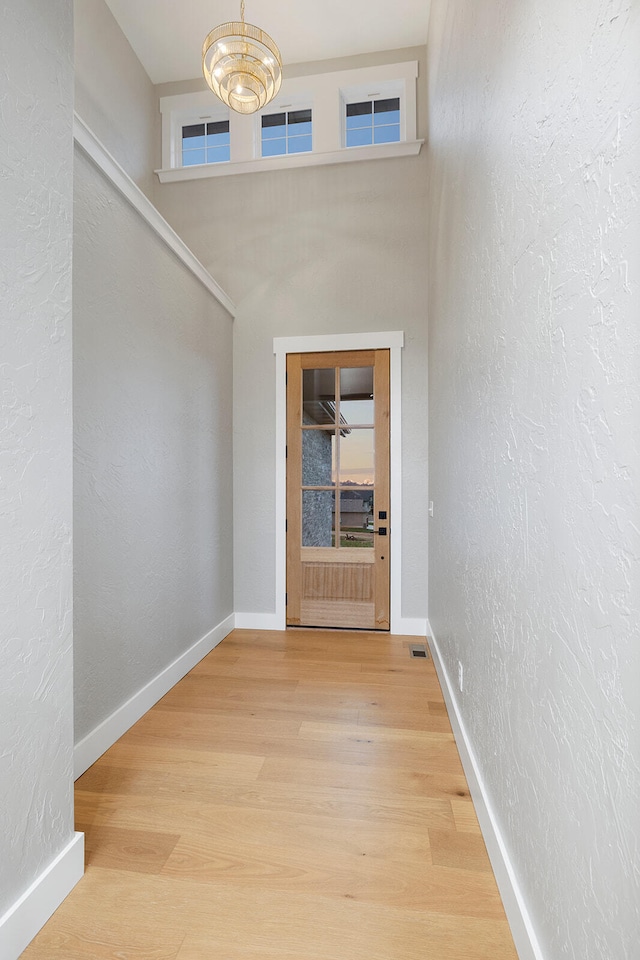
(379, 151)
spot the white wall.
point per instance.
(36, 714)
(114, 95)
(153, 453)
(325, 250)
(535, 440)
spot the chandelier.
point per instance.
(242, 65)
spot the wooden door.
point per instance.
(338, 489)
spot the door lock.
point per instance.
(382, 531)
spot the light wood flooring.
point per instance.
(298, 796)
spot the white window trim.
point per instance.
(187, 110)
(382, 91)
(324, 93)
(394, 342)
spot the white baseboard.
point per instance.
(259, 621)
(106, 733)
(28, 915)
(402, 627)
(409, 626)
(524, 937)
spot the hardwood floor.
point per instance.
(297, 795)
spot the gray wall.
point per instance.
(153, 453)
(535, 440)
(321, 250)
(113, 94)
(36, 715)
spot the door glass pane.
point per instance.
(356, 518)
(356, 457)
(318, 518)
(318, 458)
(319, 396)
(356, 395)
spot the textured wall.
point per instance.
(36, 735)
(535, 439)
(152, 428)
(114, 95)
(336, 249)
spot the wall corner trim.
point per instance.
(98, 153)
(114, 726)
(522, 930)
(30, 912)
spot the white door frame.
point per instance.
(394, 342)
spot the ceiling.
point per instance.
(167, 36)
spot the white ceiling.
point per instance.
(167, 35)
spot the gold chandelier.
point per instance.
(242, 65)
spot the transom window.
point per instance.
(286, 132)
(207, 142)
(315, 120)
(373, 121)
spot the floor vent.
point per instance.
(418, 650)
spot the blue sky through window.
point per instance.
(287, 132)
(206, 143)
(373, 121)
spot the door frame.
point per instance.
(388, 340)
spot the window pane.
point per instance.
(318, 458)
(300, 130)
(385, 106)
(193, 143)
(355, 123)
(389, 134)
(194, 130)
(319, 395)
(300, 116)
(356, 518)
(191, 157)
(356, 395)
(359, 138)
(218, 154)
(318, 518)
(273, 148)
(299, 144)
(358, 109)
(356, 456)
(218, 140)
(221, 126)
(274, 120)
(384, 119)
(271, 133)
(357, 411)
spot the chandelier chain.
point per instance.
(242, 10)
